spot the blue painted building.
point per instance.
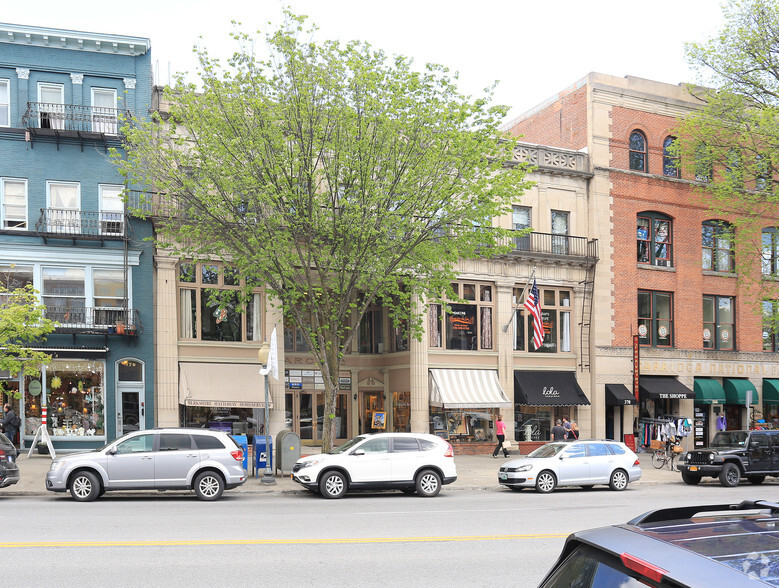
(64, 228)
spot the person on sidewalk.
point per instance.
(567, 427)
(574, 435)
(558, 433)
(9, 423)
(500, 431)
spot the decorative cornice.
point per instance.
(129, 83)
(23, 73)
(78, 40)
(77, 79)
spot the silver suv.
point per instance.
(208, 462)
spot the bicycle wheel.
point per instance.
(659, 458)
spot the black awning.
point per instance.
(663, 387)
(619, 395)
(548, 389)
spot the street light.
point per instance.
(262, 355)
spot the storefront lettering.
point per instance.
(550, 392)
(701, 368)
(298, 360)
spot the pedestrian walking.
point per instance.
(558, 432)
(500, 432)
(10, 423)
(574, 431)
(567, 427)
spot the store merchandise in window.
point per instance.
(473, 425)
(75, 396)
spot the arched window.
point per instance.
(654, 239)
(638, 151)
(671, 167)
(717, 242)
(771, 252)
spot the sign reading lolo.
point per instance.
(550, 392)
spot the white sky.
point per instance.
(535, 48)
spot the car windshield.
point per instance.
(348, 445)
(729, 439)
(549, 450)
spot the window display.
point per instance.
(464, 426)
(75, 396)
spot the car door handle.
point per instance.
(146, 457)
(192, 455)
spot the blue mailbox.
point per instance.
(263, 456)
(244, 443)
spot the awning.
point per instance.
(736, 391)
(771, 391)
(467, 389)
(548, 389)
(223, 385)
(619, 395)
(708, 391)
(663, 387)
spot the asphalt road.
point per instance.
(466, 538)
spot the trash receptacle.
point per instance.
(287, 450)
(263, 456)
(242, 441)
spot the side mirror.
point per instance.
(563, 456)
(112, 451)
(358, 452)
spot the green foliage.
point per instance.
(22, 325)
(331, 173)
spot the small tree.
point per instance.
(333, 175)
(22, 325)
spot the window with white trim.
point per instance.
(111, 209)
(555, 316)
(468, 326)
(5, 103)
(64, 204)
(13, 194)
(719, 322)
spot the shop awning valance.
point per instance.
(663, 387)
(770, 391)
(619, 395)
(548, 389)
(708, 391)
(223, 385)
(467, 389)
(736, 391)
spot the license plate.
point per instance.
(503, 477)
(693, 468)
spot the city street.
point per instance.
(462, 537)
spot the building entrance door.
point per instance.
(305, 415)
(372, 403)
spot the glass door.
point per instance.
(51, 110)
(372, 409)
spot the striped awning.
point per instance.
(222, 385)
(467, 389)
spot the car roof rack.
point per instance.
(687, 512)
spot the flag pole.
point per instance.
(521, 297)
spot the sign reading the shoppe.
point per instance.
(671, 396)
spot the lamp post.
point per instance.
(262, 355)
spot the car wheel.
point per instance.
(756, 480)
(730, 475)
(690, 479)
(545, 482)
(428, 484)
(618, 480)
(209, 486)
(332, 485)
(84, 487)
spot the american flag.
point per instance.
(533, 305)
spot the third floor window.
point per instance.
(637, 151)
(770, 256)
(717, 243)
(654, 239)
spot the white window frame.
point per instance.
(104, 121)
(111, 221)
(56, 122)
(3, 214)
(63, 220)
(6, 105)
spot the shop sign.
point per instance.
(344, 383)
(296, 385)
(550, 392)
(636, 362)
(34, 388)
(672, 396)
(706, 334)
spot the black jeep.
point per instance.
(733, 455)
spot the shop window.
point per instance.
(532, 423)
(210, 307)
(654, 239)
(770, 253)
(75, 395)
(13, 195)
(475, 425)
(671, 164)
(655, 318)
(555, 316)
(771, 325)
(719, 322)
(466, 326)
(717, 242)
(637, 152)
(401, 412)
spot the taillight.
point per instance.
(237, 455)
(449, 452)
(635, 463)
(643, 567)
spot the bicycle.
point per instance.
(666, 455)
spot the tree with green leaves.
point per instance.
(22, 326)
(334, 175)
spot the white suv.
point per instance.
(405, 461)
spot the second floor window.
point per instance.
(770, 255)
(719, 322)
(5, 103)
(654, 239)
(637, 151)
(716, 239)
(466, 326)
(655, 318)
(671, 165)
(13, 195)
(771, 325)
(556, 318)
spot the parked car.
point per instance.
(207, 462)
(733, 455)
(575, 463)
(7, 449)
(712, 545)
(9, 473)
(409, 462)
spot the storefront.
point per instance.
(771, 403)
(304, 406)
(709, 408)
(464, 405)
(739, 394)
(542, 397)
(619, 420)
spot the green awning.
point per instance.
(736, 391)
(771, 391)
(708, 391)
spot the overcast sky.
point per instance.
(533, 48)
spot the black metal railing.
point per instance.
(73, 117)
(104, 320)
(78, 223)
(555, 245)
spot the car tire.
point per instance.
(730, 475)
(209, 485)
(546, 482)
(690, 479)
(332, 485)
(84, 487)
(428, 484)
(756, 480)
(618, 480)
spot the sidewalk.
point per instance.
(474, 472)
